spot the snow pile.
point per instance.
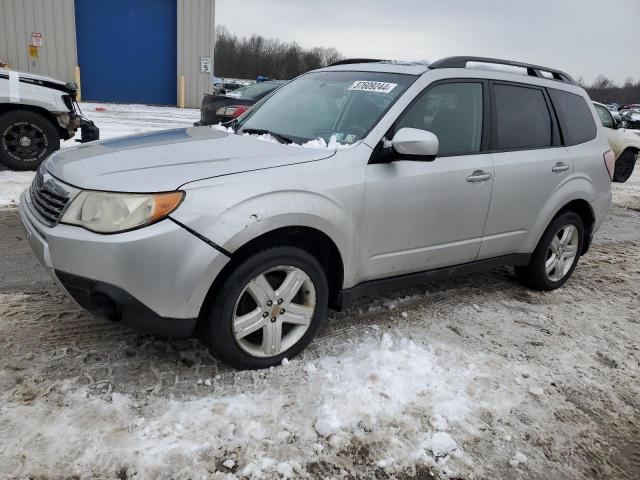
(12, 184)
(370, 395)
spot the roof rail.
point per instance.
(532, 70)
(350, 61)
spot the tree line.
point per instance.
(605, 90)
(251, 57)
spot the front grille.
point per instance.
(48, 199)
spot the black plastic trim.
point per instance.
(202, 237)
(116, 304)
(349, 295)
(351, 61)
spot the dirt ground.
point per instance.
(558, 382)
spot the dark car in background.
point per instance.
(631, 116)
(225, 107)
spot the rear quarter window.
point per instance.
(576, 120)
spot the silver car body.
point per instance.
(384, 219)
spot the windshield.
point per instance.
(254, 91)
(344, 106)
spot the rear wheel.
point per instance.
(26, 139)
(556, 255)
(624, 166)
(270, 307)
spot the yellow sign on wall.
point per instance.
(33, 51)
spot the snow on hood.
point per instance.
(165, 160)
(317, 143)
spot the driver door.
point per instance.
(421, 215)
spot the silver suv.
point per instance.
(352, 179)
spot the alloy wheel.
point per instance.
(562, 253)
(24, 141)
(274, 311)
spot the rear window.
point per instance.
(575, 117)
(522, 118)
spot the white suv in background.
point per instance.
(625, 143)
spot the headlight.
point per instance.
(104, 212)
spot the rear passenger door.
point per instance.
(530, 164)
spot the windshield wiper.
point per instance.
(262, 131)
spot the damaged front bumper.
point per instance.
(70, 122)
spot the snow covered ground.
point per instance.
(114, 120)
(473, 378)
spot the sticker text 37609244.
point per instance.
(370, 86)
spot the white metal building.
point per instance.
(132, 51)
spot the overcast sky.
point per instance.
(583, 37)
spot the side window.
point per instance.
(605, 117)
(522, 118)
(575, 117)
(453, 112)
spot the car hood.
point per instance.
(165, 160)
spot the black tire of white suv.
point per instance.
(535, 275)
(26, 139)
(235, 310)
(624, 166)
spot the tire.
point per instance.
(535, 275)
(624, 166)
(250, 348)
(26, 139)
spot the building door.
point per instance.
(127, 50)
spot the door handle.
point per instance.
(478, 176)
(560, 167)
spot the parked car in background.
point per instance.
(613, 108)
(217, 84)
(630, 115)
(229, 85)
(625, 143)
(350, 180)
(37, 112)
(225, 107)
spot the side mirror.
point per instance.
(415, 144)
(618, 122)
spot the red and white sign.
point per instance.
(36, 39)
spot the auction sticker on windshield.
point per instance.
(369, 86)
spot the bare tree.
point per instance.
(250, 57)
(607, 91)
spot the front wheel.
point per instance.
(26, 139)
(556, 255)
(270, 307)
